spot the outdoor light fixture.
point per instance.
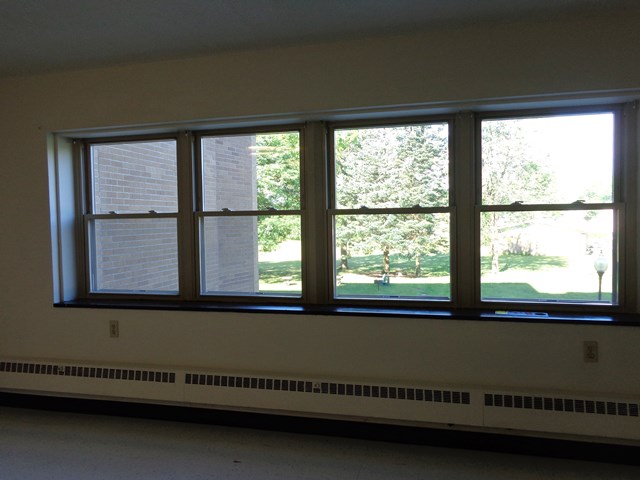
(601, 264)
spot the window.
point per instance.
(249, 214)
(392, 214)
(548, 212)
(132, 221)
(469, 210)
(148, 222)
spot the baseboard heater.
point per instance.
(541, 412)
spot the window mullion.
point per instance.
(186, 222)
(83, 185)
(316, 233)
(626, 164)
(465, 222)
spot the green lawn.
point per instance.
(364, 275)
(441, 290)
(524, 291)
(524, 262)
(280, 272)
(432, 266)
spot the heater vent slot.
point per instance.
(88, 372)
(561, 404)
(328, 388)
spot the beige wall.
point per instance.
(449, 66)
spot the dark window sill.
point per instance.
(440, 313)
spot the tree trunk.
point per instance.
(418, 268)
(385, 259)
(495, 253)
(344, 257)
(495, 258)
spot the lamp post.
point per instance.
(601, 264)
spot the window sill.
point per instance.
(440, 313)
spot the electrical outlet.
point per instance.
(590, 351)
(114, 328)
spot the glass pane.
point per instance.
(251, 172)
(251, 255)
(135, 177)
(135, 256)
(399, 256)
(392, 166)
(548, 256)
(535, 160)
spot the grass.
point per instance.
(280, 272)
(524, 291)
(440, 290)
(432, 266)
(524, 262)
(284, 277)
(520, 278)
(508, 291)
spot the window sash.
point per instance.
(92, 271)
(411, 291)
(229, 249)
(616, 268)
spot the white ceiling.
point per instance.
(47, 35)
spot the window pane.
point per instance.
(134, 256)
(403, 256)
(135, 177)
(557, 159)
(392, 166)
(250, 172)
(251, 255)
(547, 256)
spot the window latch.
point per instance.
(364, 207)
(417, 205)
(517, 202)
(113, 212)
(226, 209)
(152, 211)
(272, 209)
(578, 202)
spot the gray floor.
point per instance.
(45, 445)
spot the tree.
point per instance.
(424, 173)
(510, 174)
(356, 152)
(278, 180)
(393, 167)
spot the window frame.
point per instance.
(199, 213)
(333, 211)
(86, 206)
(317, 210)
(190, 210)
(618, 206)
